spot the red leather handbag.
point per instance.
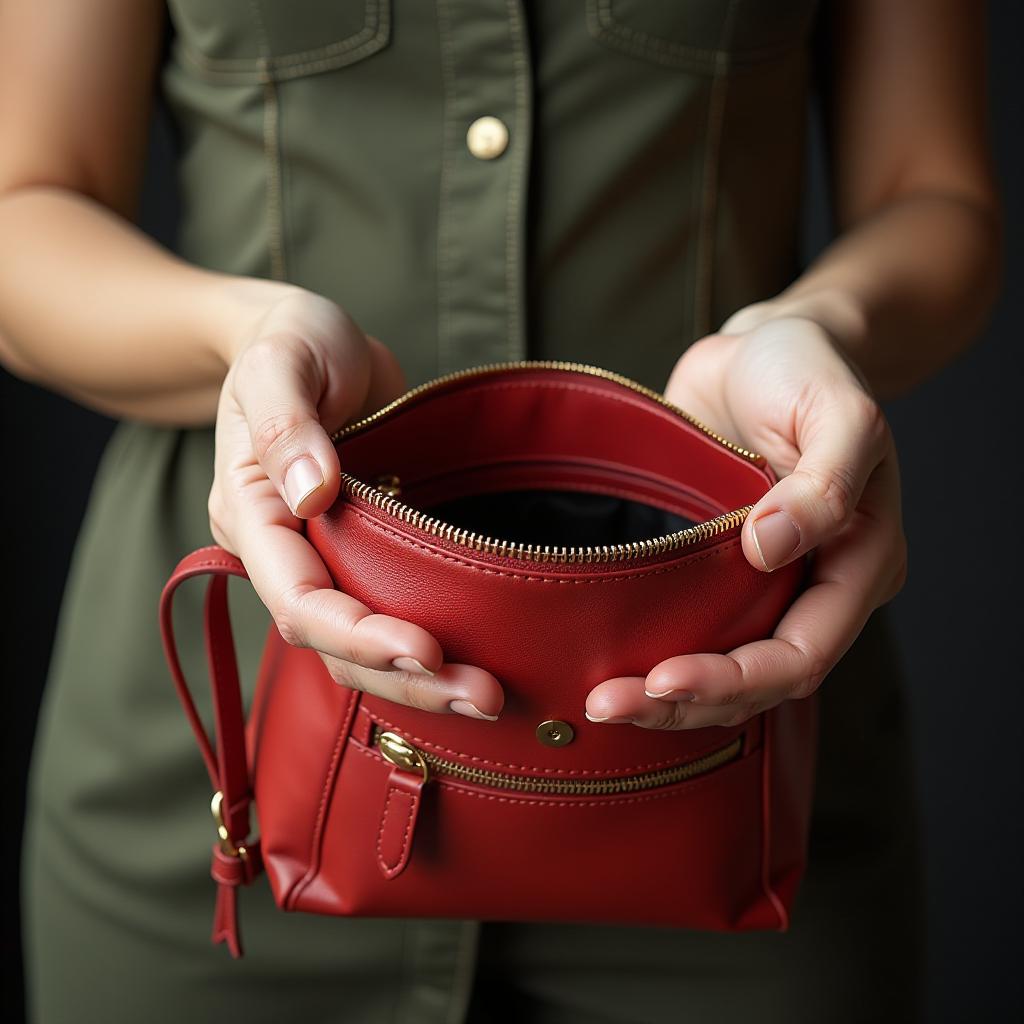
(556, 524)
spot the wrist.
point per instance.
(838, 311)
(236, 307)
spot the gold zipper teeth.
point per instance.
(352, 486)
(544, 552)
(446, 768)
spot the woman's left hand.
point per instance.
(780, 386)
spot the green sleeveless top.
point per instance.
(474, 181)
(645, 184)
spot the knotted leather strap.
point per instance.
(236, 859)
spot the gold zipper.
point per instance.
(383, 494)
(401, 753)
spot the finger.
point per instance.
(694, 383)
(453, 689)
(292, 581)
(842, 440)
(387, 379)
(278, 386)
(851, 576)
(624, 700)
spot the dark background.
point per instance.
(959, 615)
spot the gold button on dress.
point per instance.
(487, 138)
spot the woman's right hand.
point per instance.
(302, 370)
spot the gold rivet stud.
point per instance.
(554, 733)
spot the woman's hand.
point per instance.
(779, 385)
(301, 370)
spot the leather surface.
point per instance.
(345, 832)
(398, 822)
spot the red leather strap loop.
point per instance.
(235, 871)
(398, 822)
(226, 758)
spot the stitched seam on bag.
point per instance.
(208, 547)
(678, 789)
(596, 773)
(720, 548)
(391, 869)
(316, 839)
(211, 564)
(196, 567)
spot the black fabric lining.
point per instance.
(566, 518)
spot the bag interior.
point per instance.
(558, 517)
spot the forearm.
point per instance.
(902, 292)
(92, 308)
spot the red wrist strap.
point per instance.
(236, 859)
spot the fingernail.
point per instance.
(301, 480)
(407, 664)
(608, 721)
(671, 695)
(776, 537)
(463, 707)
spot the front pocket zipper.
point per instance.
(412, 768)
(402, 754)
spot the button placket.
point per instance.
(482, 202)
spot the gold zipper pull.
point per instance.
(401, 806)
(402, 754)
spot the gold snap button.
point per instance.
(487, 138)
(554, 733)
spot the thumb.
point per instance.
(279, 386)
(387, 379)
(843, 446)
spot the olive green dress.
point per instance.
(636, 180)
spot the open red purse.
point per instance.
(556, 524)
